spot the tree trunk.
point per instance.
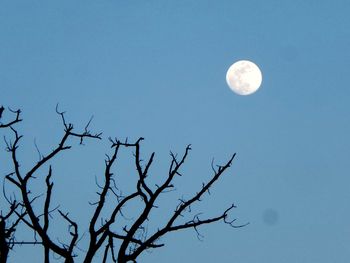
(4, 247)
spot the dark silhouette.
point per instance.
(133, 239)
(7, 225)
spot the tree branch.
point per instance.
(8, 124)
(73, 233)
(183, 205)
(21, 183)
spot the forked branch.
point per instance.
(11, 122)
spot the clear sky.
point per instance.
(157, 69)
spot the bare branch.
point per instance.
(8, 124)
(136, 241)
(115, 212)
(49, 186)
(184, 205)
(73, 233)
(108, 174)
(21, 183)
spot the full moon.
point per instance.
(244, 77)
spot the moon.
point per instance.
(244, 77)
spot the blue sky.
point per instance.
(157, 69)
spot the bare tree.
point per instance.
(133, 239)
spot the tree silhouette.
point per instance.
(133, 239)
